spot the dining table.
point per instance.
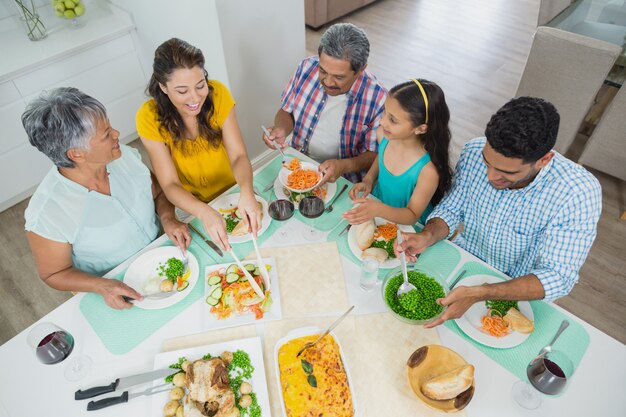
(376, 344)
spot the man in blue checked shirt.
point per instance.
(333, 106)
(526, 209)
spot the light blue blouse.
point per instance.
(103, 230)
(396, 190)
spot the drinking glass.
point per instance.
(53, 344)
(548, 373)
(281, 210)
(369, 274)
(311, 207)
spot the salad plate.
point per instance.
(470, 322)
(251, 346)
(229, 299)
(143, 275)
(390, 262)
(226, 205)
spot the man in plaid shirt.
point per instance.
(526, 209)
(332, 105)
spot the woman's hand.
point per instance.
(364, 188)
(366, 210)
(177, 232)
(113, 290)
(251, 213)
(215, 225)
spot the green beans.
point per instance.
(418, 304)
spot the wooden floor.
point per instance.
(475, 50)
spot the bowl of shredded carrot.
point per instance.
(305, 177)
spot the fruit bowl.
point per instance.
(420, 308)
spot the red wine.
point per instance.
(55, 347)
(554, 368)
(546, 376)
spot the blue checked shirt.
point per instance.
(545, 228)
(304, 98)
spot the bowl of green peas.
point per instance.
(418, 306)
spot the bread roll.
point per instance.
(450, 384)
(518, 321)
(378, 254)
(240, 230)
(365, 234)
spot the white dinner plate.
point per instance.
(279, 190)
(252, 346)
(275, 313)
(354, 247)
(470, 322)
(146, 267)
(231, 200)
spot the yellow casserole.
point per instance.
(316, 383)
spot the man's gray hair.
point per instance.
(348, 42)
(62, 119)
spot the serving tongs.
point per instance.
(332, 326)
(247, 274)
(264, 274)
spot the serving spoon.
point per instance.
(406, 285)
(332, 326)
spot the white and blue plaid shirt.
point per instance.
(545, 228)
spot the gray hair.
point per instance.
(348, 42)
(62, 119)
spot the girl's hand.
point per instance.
(365, 188)
(366, 210)
(177, 232)
(215, 225)
(251, 213)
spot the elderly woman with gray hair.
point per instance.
(97, 206)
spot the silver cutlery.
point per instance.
(121, 383)
(406, 285)
(125, 397)
(276, 145)
(345, 230)
(546, 349)
(332, 326)
(458, 278)
(207, 241)
(330, 206)
(268, 187)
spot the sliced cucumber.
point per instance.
(214, 279)
(237, 214)
(256, 272)
(184, 286)
(217, 293)
(213, 287)
(249, 267)
(232, 277)
(232, 269)
(211, 301)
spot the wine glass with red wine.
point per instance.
(311, 207)
(548, 373)
(53, 344)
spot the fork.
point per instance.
(276, 145)
(330, 206)
(332, 326)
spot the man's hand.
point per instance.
(332, 170)
(177, 232)
(366, 210)
(413, 244)
(458, 301)
(278, 136)
(113, 290)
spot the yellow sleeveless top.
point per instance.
(203, 170)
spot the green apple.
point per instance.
(79, 10)
(59, 7)
(58, 13)
(69, 14)
(69, 4)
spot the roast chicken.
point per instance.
(209, 391)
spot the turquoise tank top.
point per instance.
(396, 190)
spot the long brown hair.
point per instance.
(168, 57)
(437, 138)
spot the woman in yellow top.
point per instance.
(190, 130)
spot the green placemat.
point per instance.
(441, 257)
(122, 330)
(573, 341)
(327, 221)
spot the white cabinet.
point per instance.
(104, 65)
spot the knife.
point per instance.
(125, 397)
(345, 230)
(121, 383)
(207, 241)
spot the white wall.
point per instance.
(263, 43)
